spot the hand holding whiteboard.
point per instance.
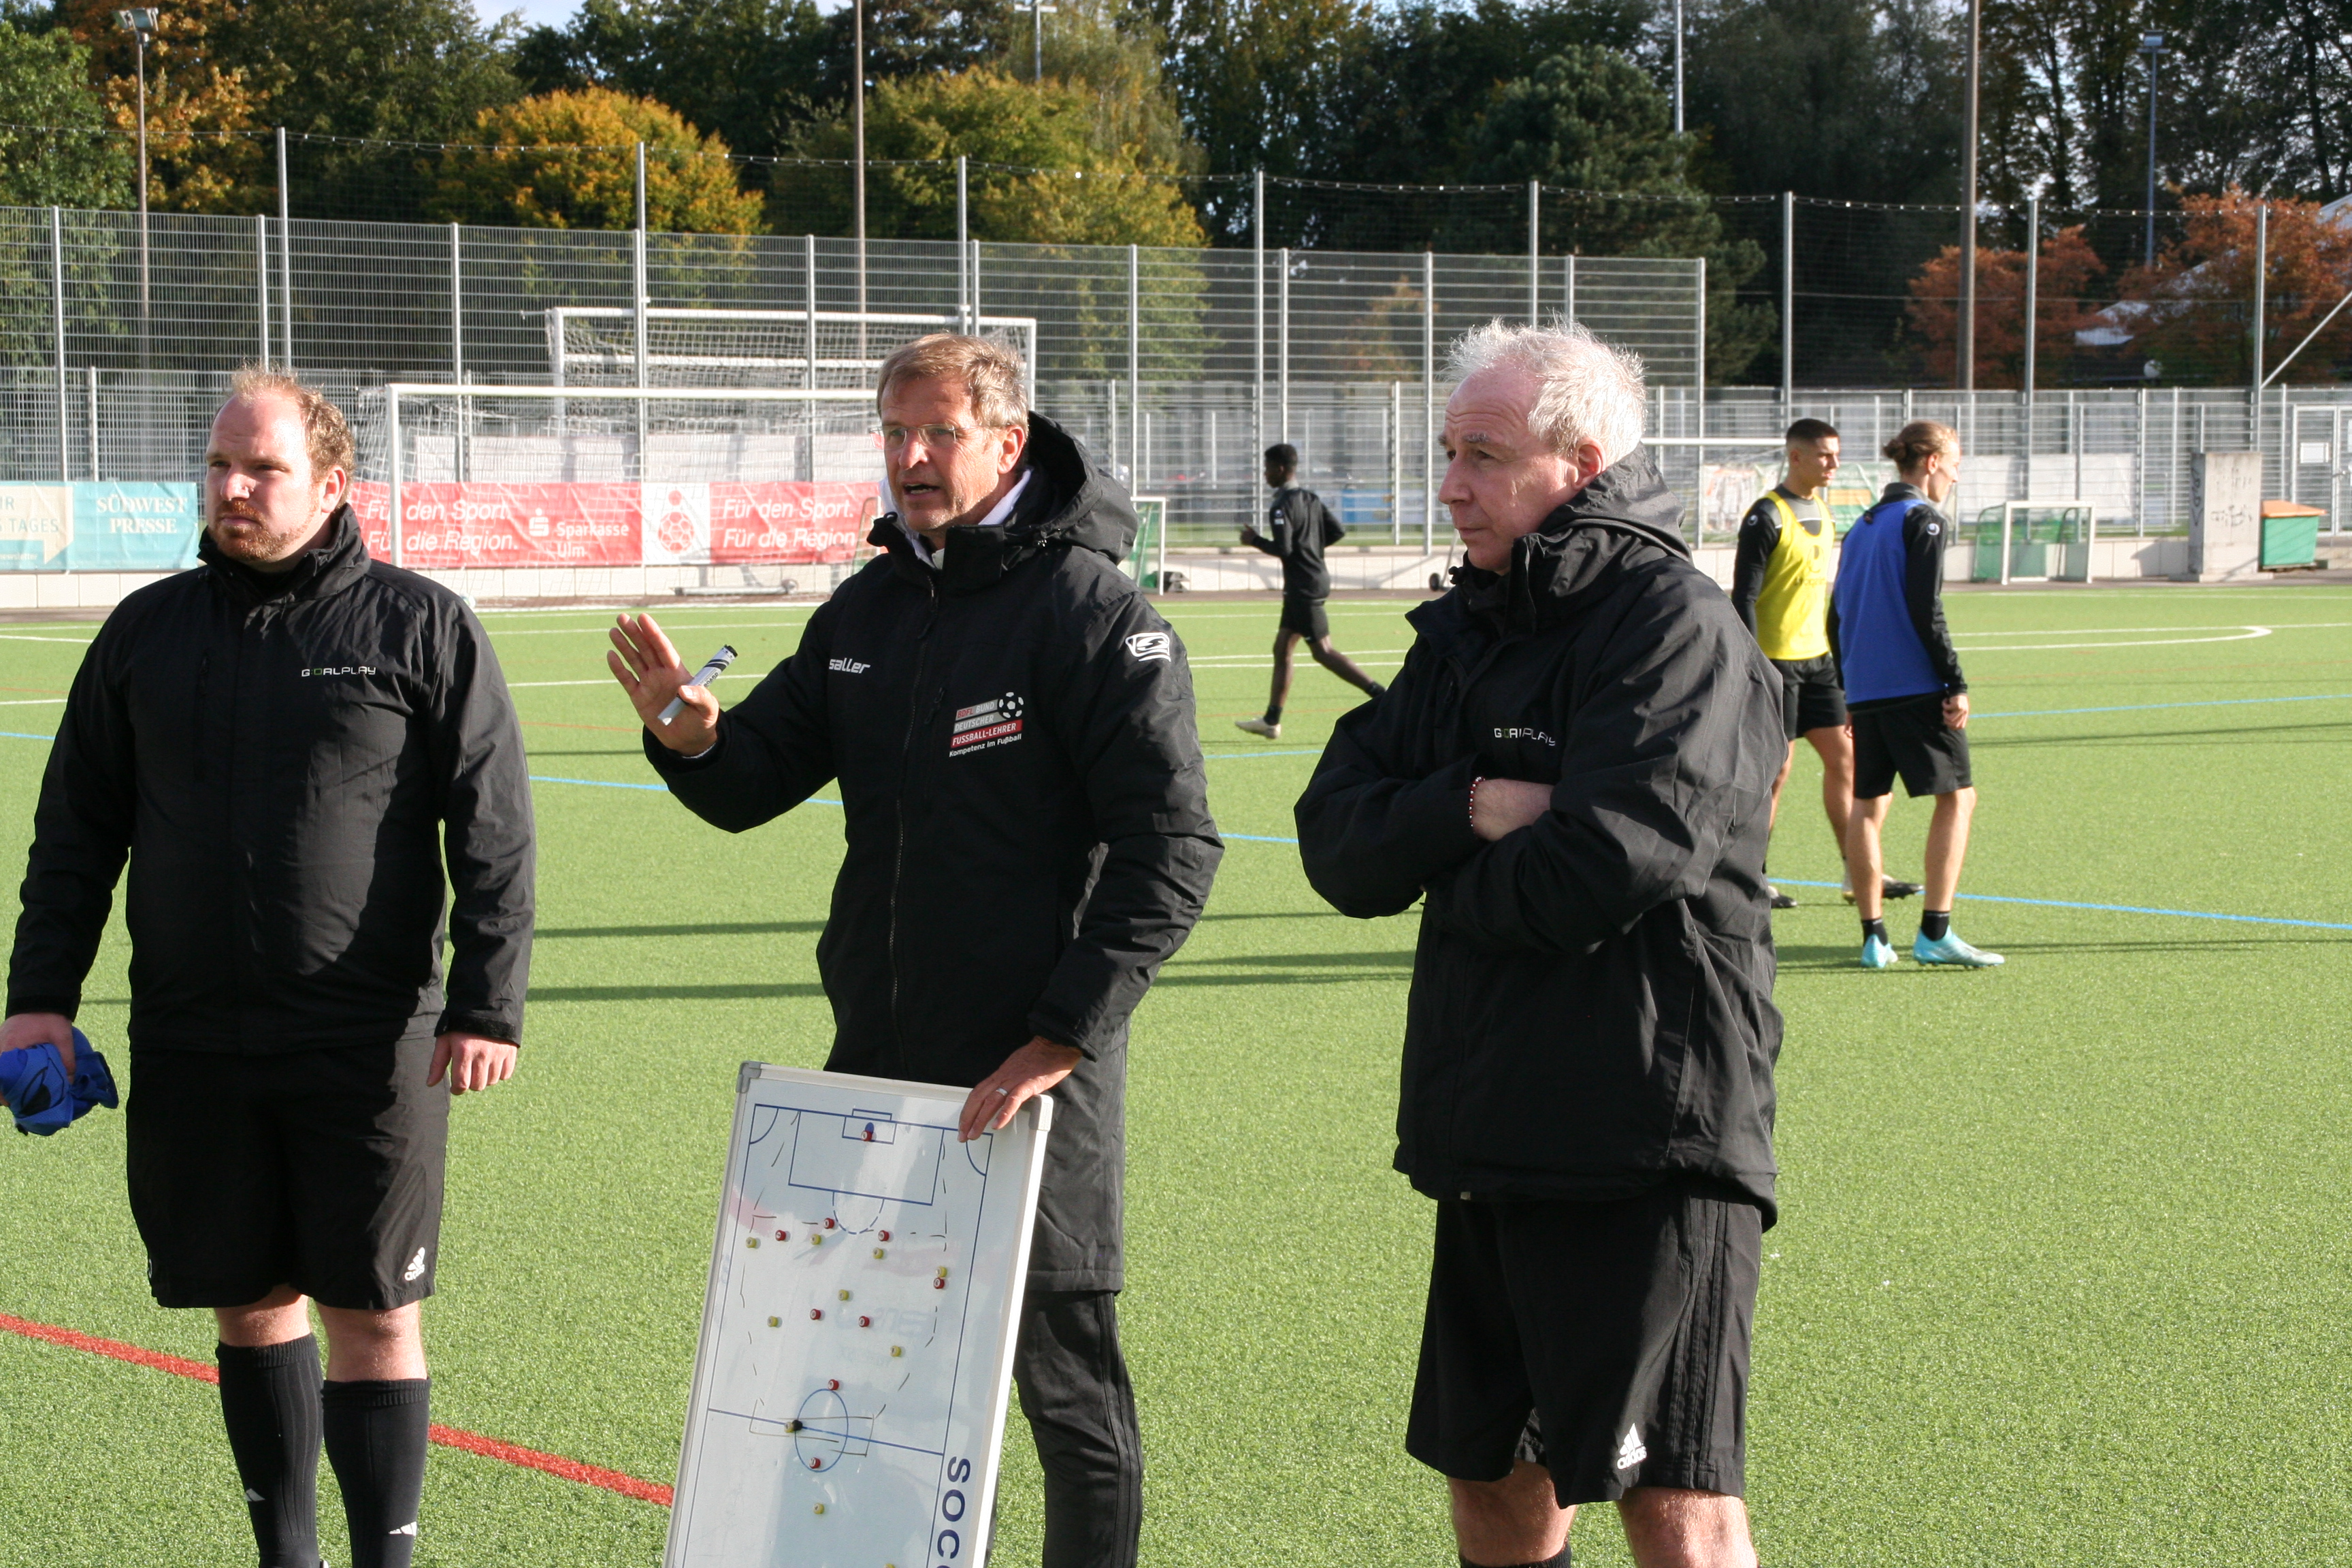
(851, 1385)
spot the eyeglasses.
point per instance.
(937, 438)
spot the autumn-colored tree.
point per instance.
(568, 160)
(2066, 307)
(206, 147)
(2192, 312)
(1040, 173)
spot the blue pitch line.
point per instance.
(2116, 909)
(2145, 707)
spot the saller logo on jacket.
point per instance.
(984, 724)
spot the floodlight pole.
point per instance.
(140, 22)
(1535, 252)
(858, 137)
(1037, 14)
(1966, 337)
(285, 258)
(1787, 300)
(963, 246)
(1257, 299)
(1679, 67)
(2152, 45)
(2033, 296)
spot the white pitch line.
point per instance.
(2246, 634)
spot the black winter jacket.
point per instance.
(1299, 528)
(1591, 995)
(1027, 818)
(284, 773)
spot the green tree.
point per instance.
(749, 71)
(1042, 172)
(54, 146)
(1116, 53)
(566, 159)
(1591, 120)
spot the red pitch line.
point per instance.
(447, 1436)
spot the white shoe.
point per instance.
(1259, 727)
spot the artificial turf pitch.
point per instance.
(2061, 1276)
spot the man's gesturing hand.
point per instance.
(472, 1061)
(24, 1029)
(1955, 711)
(650, 671)
(1505, 805)
(1027, 1074)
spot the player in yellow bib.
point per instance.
(1780, 586)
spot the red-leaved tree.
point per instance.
(2192, 312)
(2065, 306)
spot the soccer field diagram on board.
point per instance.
(849, 1395)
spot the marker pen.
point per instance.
(709, 672)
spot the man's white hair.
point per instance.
(1585, 389)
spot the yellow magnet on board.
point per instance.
(844, 1295)
(878, 1252)
(750, 1241)
(775, 1323)
(820, 1508)
(943, 1273)
(897, 1350)
(814, 1239)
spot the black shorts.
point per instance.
(1810, 697)
(1607, 1341)
(319, 1169)
(1908, 737)
(1305, 617)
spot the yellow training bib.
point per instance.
(1791, 612)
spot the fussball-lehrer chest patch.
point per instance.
(995, 722)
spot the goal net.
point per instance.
(597, 346)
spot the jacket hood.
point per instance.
(1072, 500)
(1625, 509)
(335, 564)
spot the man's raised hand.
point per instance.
(650, 671)
(23, 1029)
(1027, 1074)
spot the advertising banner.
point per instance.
(126, 525)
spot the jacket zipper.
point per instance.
(906, 769)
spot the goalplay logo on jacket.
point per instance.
(994, 722)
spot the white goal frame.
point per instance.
(2009, 510)
(1021, 329)
(640, 395)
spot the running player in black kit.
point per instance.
(1301, 525)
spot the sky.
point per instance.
(535, 13)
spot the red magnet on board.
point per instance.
(938, 1284)
(864, 1322)
(834, 1384)
(783, 1236)
(869, 1132)
(828, 1224)
(817, 1464)
(816, 1313)
(885, 1235)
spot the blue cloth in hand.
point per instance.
(32, 1081)
(43, 1101)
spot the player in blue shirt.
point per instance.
(1903, 689)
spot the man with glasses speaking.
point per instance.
(1028, 838)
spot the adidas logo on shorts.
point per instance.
(415, 1269)
(1631, 1451)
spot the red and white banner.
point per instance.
(718, 523)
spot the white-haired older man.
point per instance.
(1573, 772)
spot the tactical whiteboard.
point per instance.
(849, 1391)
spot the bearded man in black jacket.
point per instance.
(284, 741)
(1573, 772)
(1028, 838)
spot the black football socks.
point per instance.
(375, 1435)
(1274, 714)
(1877, 928)
(269, 1402)
(1934, 923)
